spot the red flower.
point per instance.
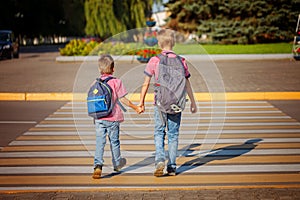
(148, 53)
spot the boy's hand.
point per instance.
(193, 108)
(141, 107)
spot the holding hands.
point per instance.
(140, 108)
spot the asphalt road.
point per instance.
(37, 71)
(19, 116)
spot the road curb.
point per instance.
(199, 57)
(230, 96)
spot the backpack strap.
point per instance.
(105, 81)
(161, 56)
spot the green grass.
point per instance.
(233, 49)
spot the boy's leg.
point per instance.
(159, 140)
(100, 144)
(113, 134)
(173, 133)
(159, 135)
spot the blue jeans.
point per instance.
(111, 129)
(172, 123)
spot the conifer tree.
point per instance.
(235, 21)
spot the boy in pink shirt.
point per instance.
(165, 123)
(110, 125)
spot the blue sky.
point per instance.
(161, 8)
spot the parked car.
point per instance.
(296, 48)
(9, 45)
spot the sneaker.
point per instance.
(97, 172)
(159, 169)
(171, 171)
(121, 165)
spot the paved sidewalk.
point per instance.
(153, 194)
(39, 73)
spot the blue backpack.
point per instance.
(100, 99)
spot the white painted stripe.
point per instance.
(183, 132)
(185, 118)
(149, 169)
(182, 125)
(18, 122)
(200, 112)
(146, 154)
(123, 132)
(217, 124)
(202, 107)
(141, 141)
(199, 102)
(48, 133)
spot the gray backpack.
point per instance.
(170, 87)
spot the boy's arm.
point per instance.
(191, 96)
(144, 92)
(128, 103)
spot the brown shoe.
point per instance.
(159, 169)
(97, 172)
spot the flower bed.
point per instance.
(144, 55)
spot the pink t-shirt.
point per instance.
(119, 91)
(152, 66)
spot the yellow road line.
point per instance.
(53, 96)
(12, 96)
(150, 180)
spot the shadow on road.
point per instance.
(215, 154)
(219, 154)
(150, 161)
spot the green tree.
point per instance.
(73, 18)
(235, 21)
(109, 17)
(48, 17)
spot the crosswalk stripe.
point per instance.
(183, 129)
(133, 121)
(250, 143)
(150, 132)
(57, 119)
(147, 153)
(140, 147)
(252, 159)
(151, 108)
(134, 137)
(183, 125)
(141, 141)
(145, 169)
(199, 113)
